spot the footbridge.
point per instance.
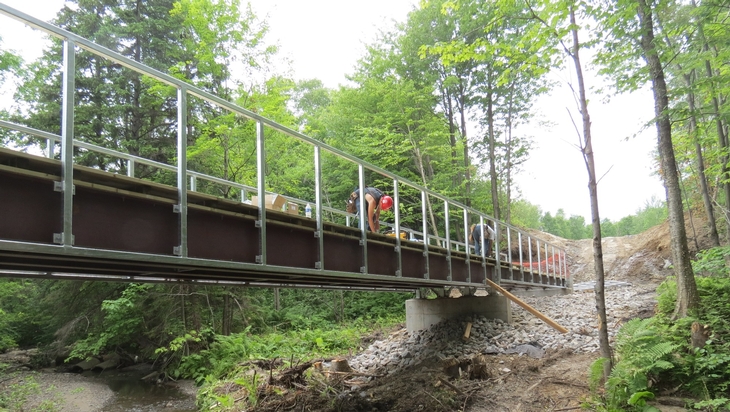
(131, 218)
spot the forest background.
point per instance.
(451, 67)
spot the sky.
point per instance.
(323, 39)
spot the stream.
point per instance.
(131, 393)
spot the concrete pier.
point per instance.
(422, 313)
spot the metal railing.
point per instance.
(549, 260)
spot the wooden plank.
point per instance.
(467, 332)
(527, 307)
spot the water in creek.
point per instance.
(131, 393)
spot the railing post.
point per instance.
(50, 145)
(398, 249)
(261, 183)
(182, 171)
(319, 233)
(468, 246)
(424, 214)
(498, 258)
(520, 251)
(484, 252)
(547, 268)
(448, 240)
(193, 184)
(509, 253)
(66, 237)
(130, 167)
(364, 222)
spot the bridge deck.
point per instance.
(126, 228)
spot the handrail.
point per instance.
(185, 89)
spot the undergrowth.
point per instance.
(655, 355)
(225, 370)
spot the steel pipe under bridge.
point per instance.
(64, 220)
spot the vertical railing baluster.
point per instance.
(447, 219)
(130, 167)
(261, 183)
(67, 145)
(193, 184)
(483, 251)
(509, 253)
(182, 170)
(539, 268)
(398, 248)
(364, 222)
(547, 270)
(50, 148)
(424, 214)
(529, 252)
(519, 251)
(556, 274)
(497, 238)
(466, 242)
(319, 233)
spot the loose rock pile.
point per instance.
(527, 335)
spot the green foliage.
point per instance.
(22, 322)
(596, 373)
(712, 262)
(226, 353)
(9, 62)
(653, 213)
(642, 355)
(643, 350)
(123, 321)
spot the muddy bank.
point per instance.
(109, 391)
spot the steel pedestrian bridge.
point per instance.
(64, 220)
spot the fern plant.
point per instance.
(642, 354)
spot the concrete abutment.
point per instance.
(422, 313)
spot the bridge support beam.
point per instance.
(422, 313)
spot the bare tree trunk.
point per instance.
(687, 296)
(226, 321)
(508, 158)
(701, 165)
(721, 131)
(422, 170)
(587, 149)
(492, 155)
(467, 160)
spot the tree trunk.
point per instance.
(587, 150)
(492, 155)
(226, 323)
(508, 159)
(687, 297)
(721, 130)
(723, 142)
(701, 165)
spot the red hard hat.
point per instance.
(386, 202)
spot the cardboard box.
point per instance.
(273, 202)
(292, 208)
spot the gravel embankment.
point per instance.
(528, 334)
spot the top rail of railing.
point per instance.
(507, 234)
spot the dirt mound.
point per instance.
(646, 257)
